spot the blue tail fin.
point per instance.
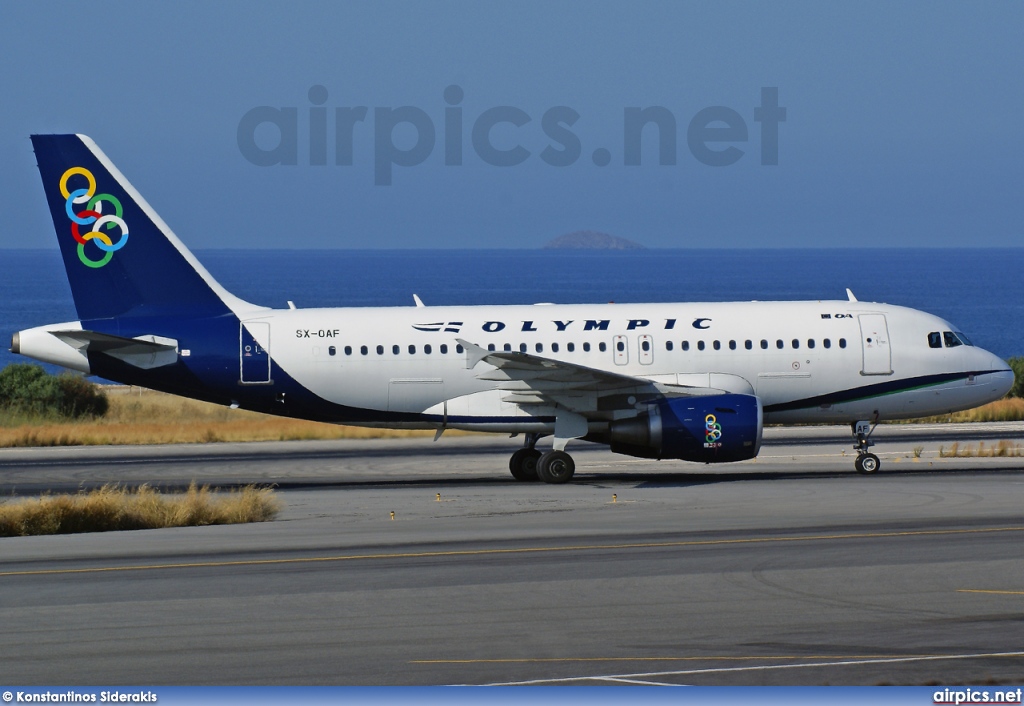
(121, 258)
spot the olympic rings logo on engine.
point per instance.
(712, 430)
(92, 215)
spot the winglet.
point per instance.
(849, 294)
(474, 353)
(419, 302)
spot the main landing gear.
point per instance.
(866, 462)
(529, 464)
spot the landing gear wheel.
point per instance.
(556, 467)
(523, 464)
(867, 464)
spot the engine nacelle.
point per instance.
(712, 429)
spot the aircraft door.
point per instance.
(646, 345)
(620, 349)
(254, 357)
(874, 341)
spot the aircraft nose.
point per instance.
(1002, 375)
(1005, 381)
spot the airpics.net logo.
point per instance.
(407, 136)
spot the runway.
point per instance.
(790, 569)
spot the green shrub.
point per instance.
(1017, 363)
(28, 389)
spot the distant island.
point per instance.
(591, 240)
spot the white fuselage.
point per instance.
(828, 361)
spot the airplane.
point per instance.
(688, 381)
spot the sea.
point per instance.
(980, 291)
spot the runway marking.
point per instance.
(706, 658)
(517, 550)
(641, 682)
(980, 590)
(766, 667)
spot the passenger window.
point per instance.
(331, 350)
(364, 350)
(522, 347)
(490, 347)
(539, 347)
(443, 349)
(748, 344)
(554, 347)
(645, 345)
(718, 345)
(412, 350)
(586, 347)
(348, 350)
(459, 348)
(507, 347)
(935, 339)
(842, 343)
(602, 346)
(732, 345)
(700, 345)
(764, 344)
(951, 340)
(686, 345)
(779, 344)
(668, 345)
(827, 343)
(620, 346)
(427, 349)
(395, 350)
(810, 343)
(570, 347)
(380, 350)
(796, 343)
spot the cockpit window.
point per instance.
(963, 339)
(951, 340)
(935, 339)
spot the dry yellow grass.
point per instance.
(1001, 450)
(116, 508)
(138, 416)
(1009, 409)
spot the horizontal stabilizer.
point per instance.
(144, 352)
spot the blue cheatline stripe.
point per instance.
(890, 387)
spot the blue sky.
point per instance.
(903, 121)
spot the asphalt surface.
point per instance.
(790, 569)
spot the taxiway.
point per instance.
(790, 569)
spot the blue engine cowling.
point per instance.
(712, 429)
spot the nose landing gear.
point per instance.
(866, 462)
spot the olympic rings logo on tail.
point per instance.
(712, 430)
(92, 216)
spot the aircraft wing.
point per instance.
(532, 379)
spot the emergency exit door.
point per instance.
(620, 350)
